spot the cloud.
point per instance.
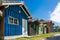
(55, 15)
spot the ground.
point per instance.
(49, 36)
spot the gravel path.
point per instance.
(55, 37)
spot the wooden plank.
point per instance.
(2, 24)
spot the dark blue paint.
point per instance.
(9, 29)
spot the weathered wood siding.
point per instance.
(2, 23)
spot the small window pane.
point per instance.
(15, 21)
(10, 20)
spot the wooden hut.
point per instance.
(33, 26)
(13, 19)
(45, 27)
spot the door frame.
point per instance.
(24, 27)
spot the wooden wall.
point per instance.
(2, 24)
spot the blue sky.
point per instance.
(42, 9)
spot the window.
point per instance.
(12, 20)
(15, 21)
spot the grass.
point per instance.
(36, 37)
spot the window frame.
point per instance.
(17, 21)
(13, 21)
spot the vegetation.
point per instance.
(38, 37)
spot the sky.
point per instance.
(44, 9)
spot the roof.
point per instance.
(46, 21)
(34, 21)
(22, 5)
